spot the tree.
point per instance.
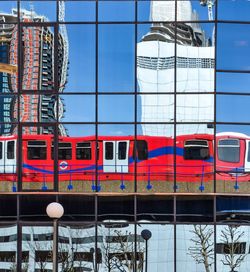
(234, 254)
(118, 252)
(203, 250)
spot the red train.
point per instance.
(116, 158)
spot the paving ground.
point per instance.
(142, 186)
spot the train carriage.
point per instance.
(118, 158)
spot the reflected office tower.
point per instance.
(37, 71)
(194, 71)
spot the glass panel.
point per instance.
(116, 11)
(232, 165)
(78, 108)
(76, 247)
(38, 57)
(201, 10)
(8, 112)
(38, 11)
(152, 208)
(115, 174)
(195, 108)
(143, 11)
(81, 42)
(158, 251)
(233, 82)
(232, 248)
(33, 207)
(117, 247)
(76, 130)
(229, 10)
(78, 207)
(155, 58)
(156, 10)
(233, 210)
(116, 108)
(195, 59)
(195, 248)
(233, 50)
(38, 108)
(155, 158)
(8, 247)
(79, 11)
(37, 245)
(120, 209)
(194, 209)
(38, 164)
(225, 104)
(116, 58)
(77, 158)
(155, 108)
(195, 158)
(8, 208)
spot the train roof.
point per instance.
(232, 134)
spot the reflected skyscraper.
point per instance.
(37, 72)
(179, 51)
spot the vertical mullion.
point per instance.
(175, 96)
(19, 84)
(96, 131)
(96, 95)
(175, 99)
(215, 81)
(56, 88)
(135, 92)
(19, 236)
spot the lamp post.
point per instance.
(55, 211)
(146, 235)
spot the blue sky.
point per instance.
(116, 67)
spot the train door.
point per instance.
(8, 156)
(247, 156)
(115, 156)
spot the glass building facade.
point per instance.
(134, 115)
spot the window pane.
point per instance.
(233, 50)
(116, 58)
(116, 11)
(195, 247)
(109, 147)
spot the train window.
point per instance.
(37, 150)
(141, 149)
(248, 154)
(10, 150)
(229, 150)
(83, 151)
(122, 150)
(64, 151)
(1, 150)
(109, 150)
(196, 150)
(238, 248)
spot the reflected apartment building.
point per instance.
(194, 70)
(37, 72)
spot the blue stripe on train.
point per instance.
(166, 150)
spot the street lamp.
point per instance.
(146, 235)
(55, 211)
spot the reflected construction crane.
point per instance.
(8, 68)
(209, 4)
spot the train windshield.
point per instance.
(196, 150)
(229, 150)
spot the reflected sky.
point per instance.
(117, 49)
